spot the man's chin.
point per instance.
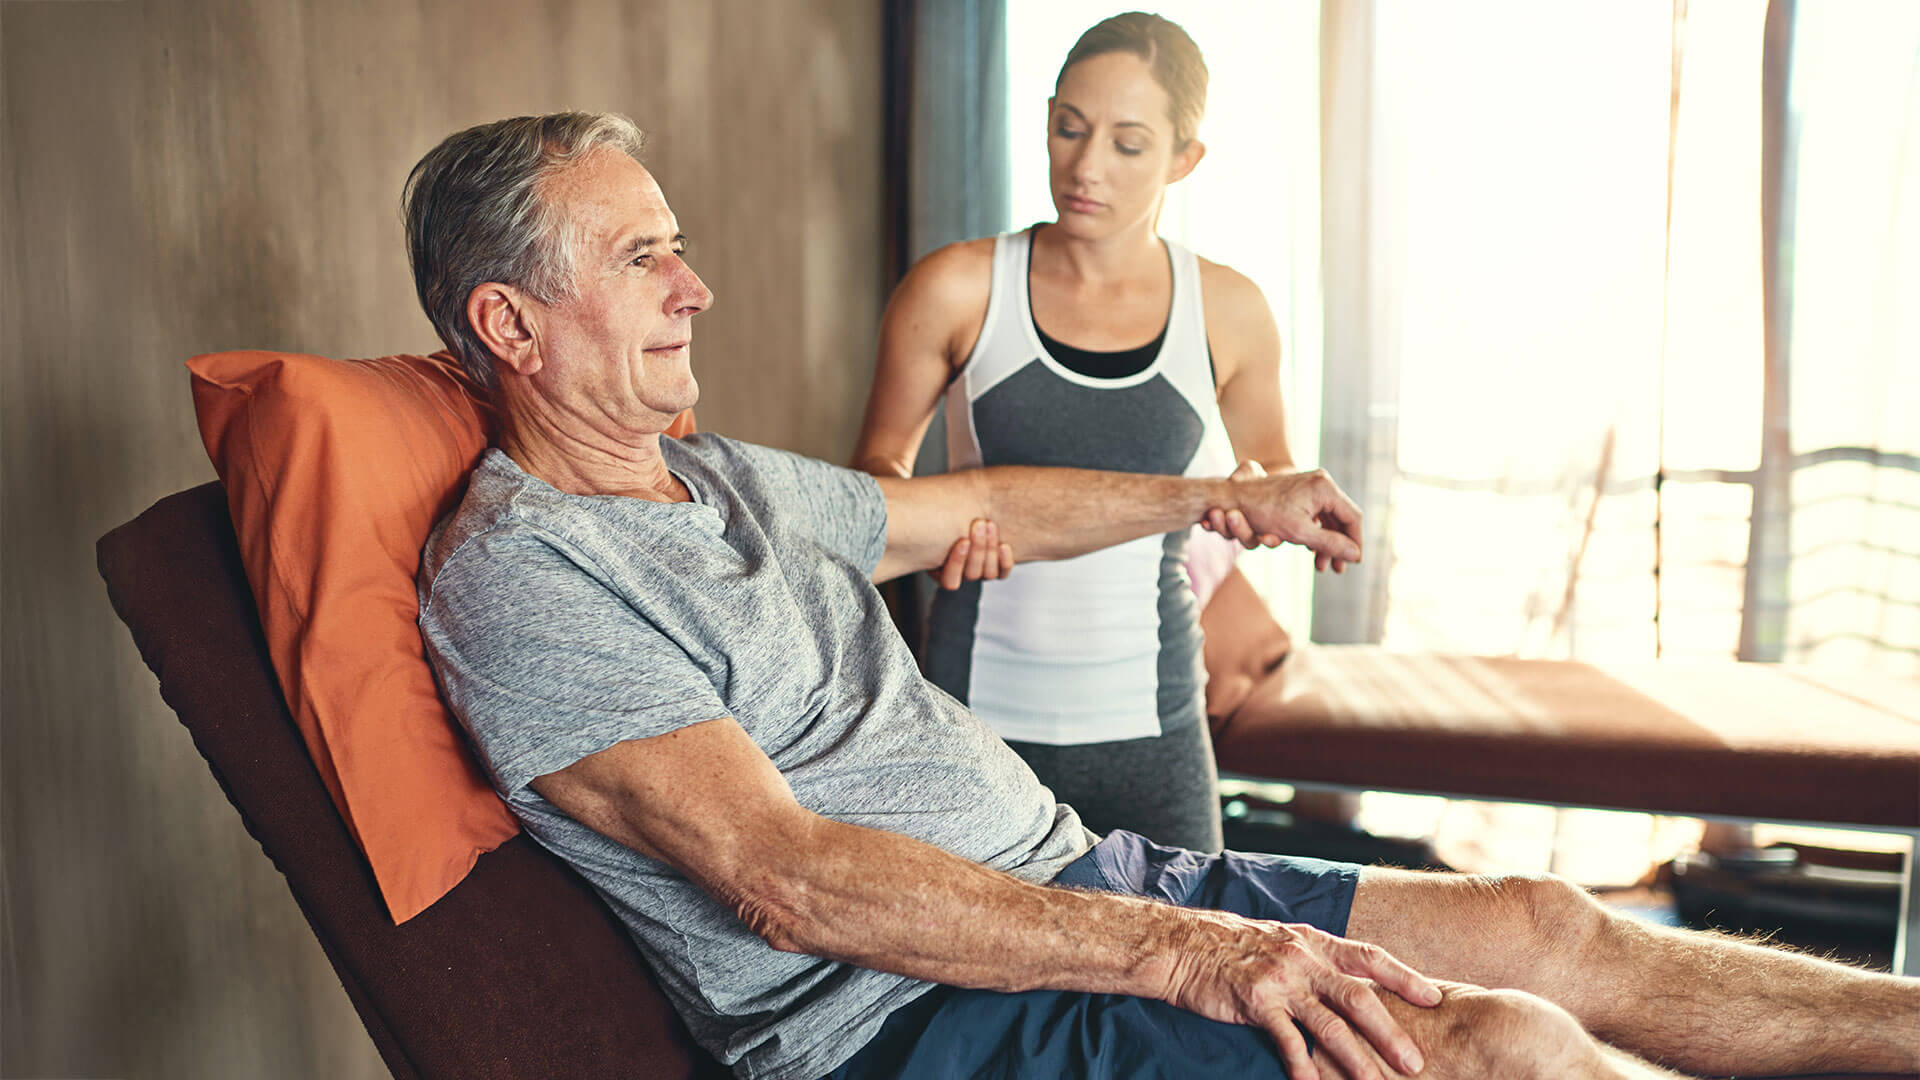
(680, 399)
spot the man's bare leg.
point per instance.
(1703, 1003)
(1478, 1034)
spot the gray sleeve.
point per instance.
(544, 665)
(842, 508)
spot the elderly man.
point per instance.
(673, 661)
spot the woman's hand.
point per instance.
(978, 556)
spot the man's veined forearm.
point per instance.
(1045, 513)
(1059, 513)
(887, 902)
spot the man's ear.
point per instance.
(1184, 161)
(500, 315)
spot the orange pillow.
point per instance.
(335, 472)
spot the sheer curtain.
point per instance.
(1637, 292)
(1518, 175)
(1850, 280)
(1641, 353)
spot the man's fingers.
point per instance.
(1330, 544)
(1339, 1041)
(1293, 1050)
(1366, 961)
(1363, 1011)
(1339, 514)
(1006, 559)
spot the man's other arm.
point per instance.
(707, 801)
(1059, 513)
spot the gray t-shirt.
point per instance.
(561, 624)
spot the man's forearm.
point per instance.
(1059, 513)
(1046, 513)
(894, 904)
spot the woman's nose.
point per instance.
(1090, 163)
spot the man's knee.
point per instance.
(1552, 917)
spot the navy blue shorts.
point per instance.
(950, 1033)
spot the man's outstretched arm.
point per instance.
(705, 800)
(1059, 513)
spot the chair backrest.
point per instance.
(521, 971)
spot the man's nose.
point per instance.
(690, 295)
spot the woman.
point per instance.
(1090, 342)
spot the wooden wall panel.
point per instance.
(182, 177)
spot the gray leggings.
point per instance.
(1163, 787)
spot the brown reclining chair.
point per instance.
(519, 972)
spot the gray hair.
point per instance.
(475, 213)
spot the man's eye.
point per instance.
(642, 260)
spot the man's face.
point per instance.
(615, 358)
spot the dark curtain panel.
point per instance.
(947, 124)
(946, 158)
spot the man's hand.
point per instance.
(1305, 508)
(1277, 975)
(980, 555)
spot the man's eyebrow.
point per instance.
(1142, 124)
(644, 241)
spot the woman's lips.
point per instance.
(1079, 205)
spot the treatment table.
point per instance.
(1726, 740)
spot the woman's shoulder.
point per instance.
(956, 279)
(1230, 287)
(1240, 326)
(963, 261)
(1233, 302)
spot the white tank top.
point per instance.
(1105, 646)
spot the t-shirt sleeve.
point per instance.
(842, 508)
(544, 665)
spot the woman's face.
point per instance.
(1110, 145)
